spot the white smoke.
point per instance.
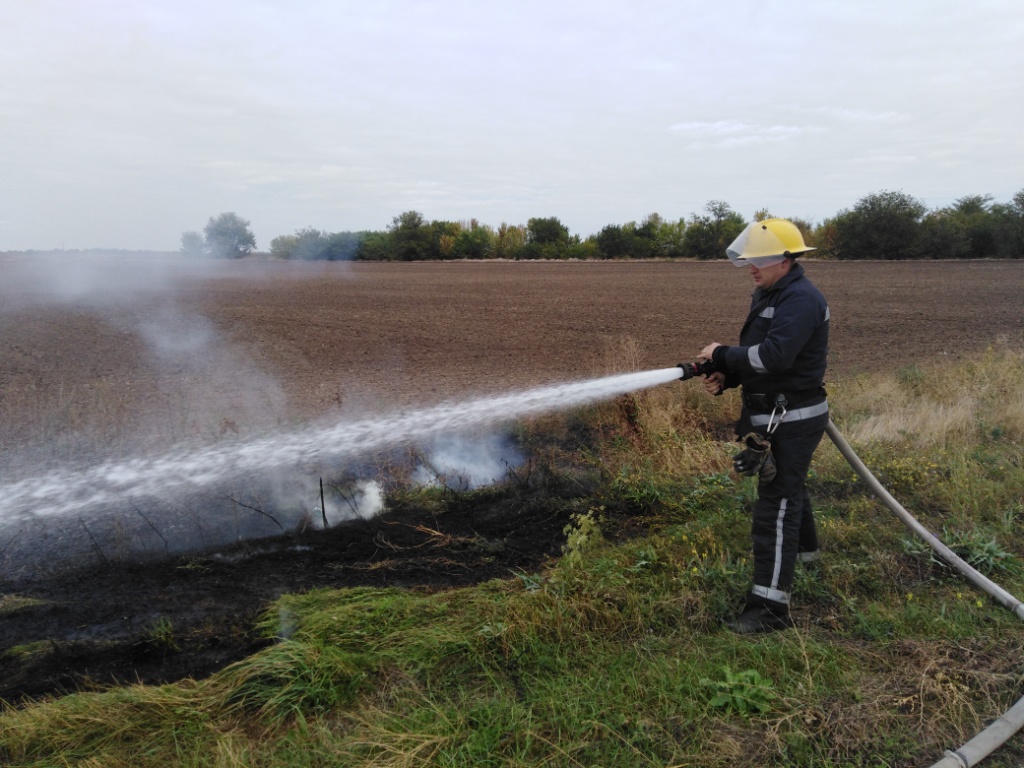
(464, 463)
(207, 462)
(171, 334)
(99, 279)
(187, 380)
(368, 499)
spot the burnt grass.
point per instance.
(158, 621)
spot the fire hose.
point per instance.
(1011, 721)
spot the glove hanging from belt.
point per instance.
(756, 458)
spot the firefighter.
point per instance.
(780, 364)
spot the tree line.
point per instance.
(883, 225)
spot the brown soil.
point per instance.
(232, 349)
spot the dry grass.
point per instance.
(938, 404)
(674, 430)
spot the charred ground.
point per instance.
(161, 620)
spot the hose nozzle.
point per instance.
(696, 369)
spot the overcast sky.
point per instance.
(124, 123)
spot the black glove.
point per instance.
(755, 458)
(718, 358)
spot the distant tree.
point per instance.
(341, 246)
(443, 236)
(966, 229)
(228, 236)
(615, 242)
(826, 240)
(882, 225)
(629, 241)
(974, 215)
(1008, 221)
(192, 244)
(584, 250)
(283, 246)
(474, 242)
(973, 205)
(549, 231)
(886, 225)
(309, 244)
(942, 235)
(671, 238)
(375, 246)
(646, 234)
(509, 240)
(411, 237)
(546, 238)
(709, 235)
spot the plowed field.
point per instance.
(304, 339)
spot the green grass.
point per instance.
(615, 655)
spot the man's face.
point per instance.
(766, 277)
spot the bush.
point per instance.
(882, 225)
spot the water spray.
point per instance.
(67, 491)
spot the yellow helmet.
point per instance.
(767, 242)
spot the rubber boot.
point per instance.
(759, 616)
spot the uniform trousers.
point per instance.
(783, 524)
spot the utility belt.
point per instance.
(769, 409)
(764, 412)
(766, 402)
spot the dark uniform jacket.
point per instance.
(783, 344)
